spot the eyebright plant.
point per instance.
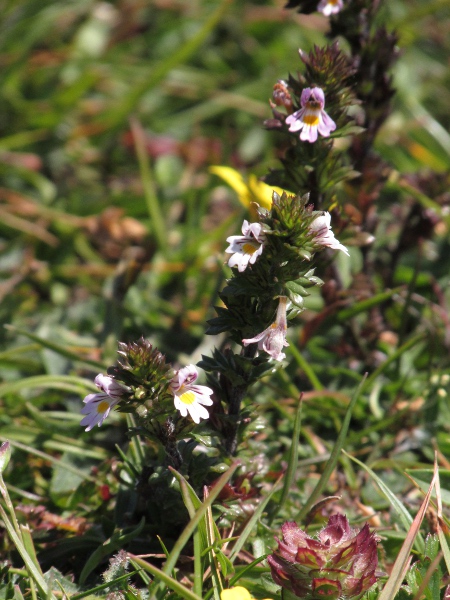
(272, 268)
(298, 105)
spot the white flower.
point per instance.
(273, 339)
(188, 397)
(330, 7)
(311, 119)
(98, 406)
(247, 247)
(321, 226)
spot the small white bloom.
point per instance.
(98, 406)
(190, 398)
(330, 7)
(321, 226)
(273, 339)
(311, 119)
(247, 247)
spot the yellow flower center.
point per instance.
(188, 397)
(249, 248)
(311, 119)
(102, 407)
(333, 2)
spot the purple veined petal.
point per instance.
(232, 239)
(295, 116)
(319, 96)
(190, 374)
(92, 398)
(257, 338)
(245, 227)
(255, 229)
(184, 377)
(326, 125)
(297, 126)
(295, 120)
(91, 422)
(328, 121)
(305, 96)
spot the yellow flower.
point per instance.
(252, 190)
(236, 593)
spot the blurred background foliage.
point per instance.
(112, 227)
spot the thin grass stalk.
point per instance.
(404, 557)
(158, 225)
(408, 300)
(249, 528)
(217, 585)
(171, 583)
(200, 513)
(404, 515)
(394, 357)
(57, 382)
(292, 463)
(51, 459)
(158, 73)
(442, 527)
(103, 586)
(34, 595)
(306, 367)
(334, 457)
(246, 569)
(136, 446)
(33, 571)
(347, 313)
(198, 571)
(61, 350)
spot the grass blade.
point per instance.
(404, 556)
(292, 463)
(334, 457)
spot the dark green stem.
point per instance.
(235, 400)
(235, 397)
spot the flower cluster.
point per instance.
(185, 395)
(339, 564)
(271, 258)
